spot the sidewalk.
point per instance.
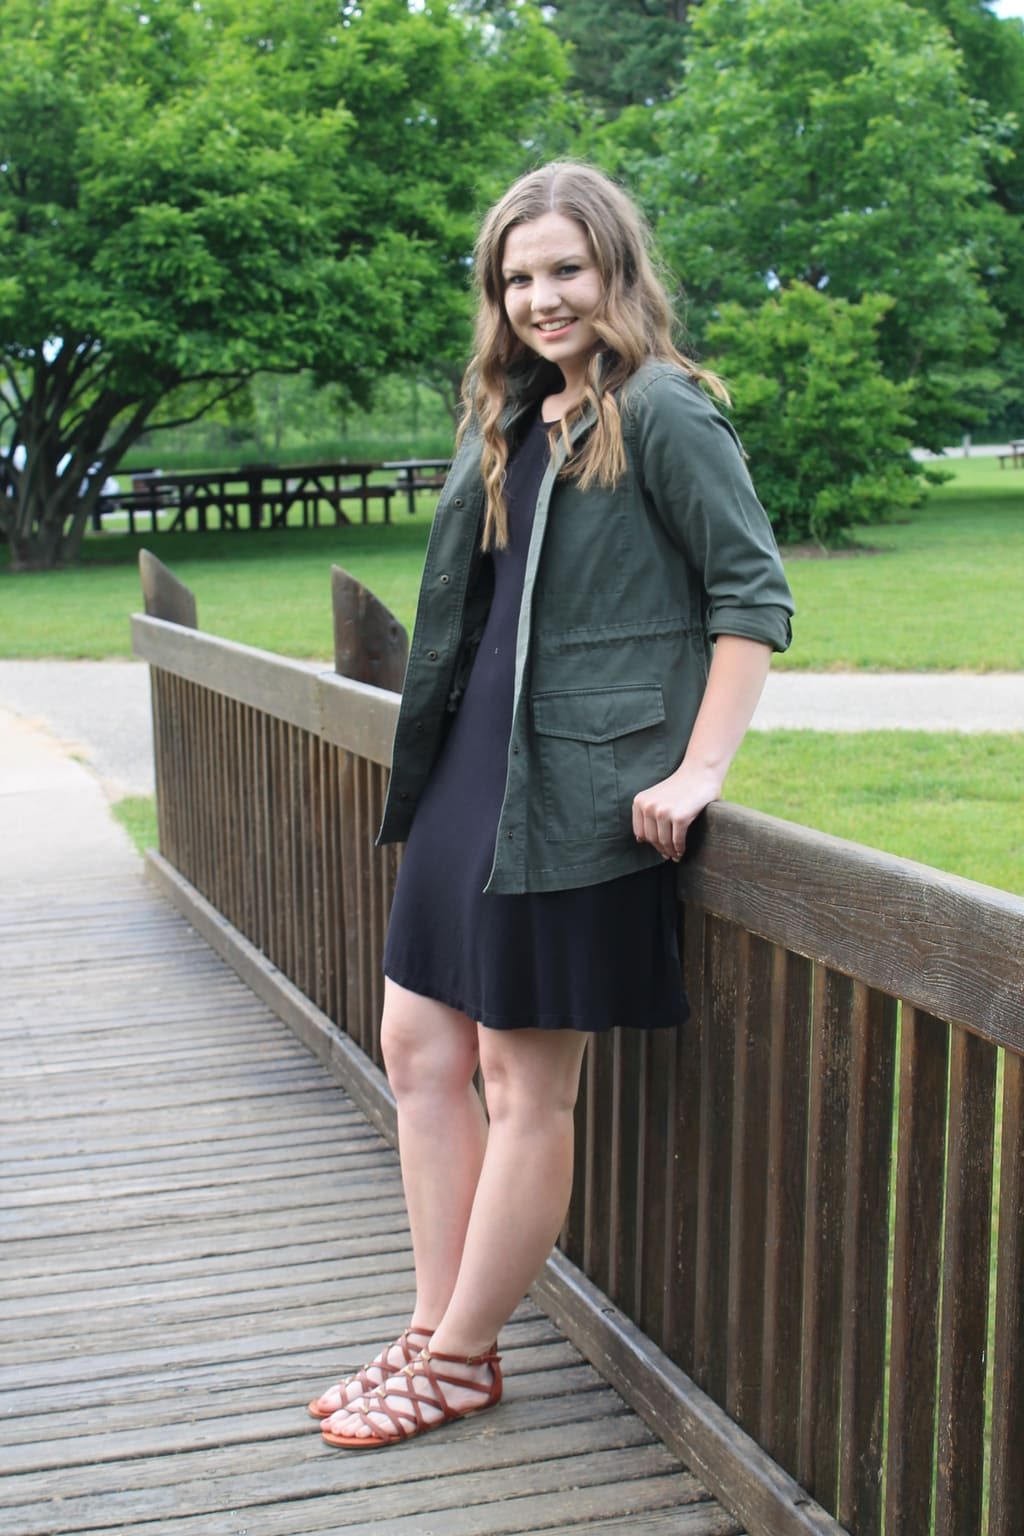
(101, 708)
(55, 822)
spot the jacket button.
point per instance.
(457, 501)
(431, 655)
(445, 580)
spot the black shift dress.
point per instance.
(589, 958)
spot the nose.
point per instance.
(545, 295)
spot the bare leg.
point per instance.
(431, 1055)
(531, 1077)
(532, 1080)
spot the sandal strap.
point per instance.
(409, 1421)
(362, 1375)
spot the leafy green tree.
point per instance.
(623, 52)
(831, 143)
(993, 65)
(826, 432)
(192, 193)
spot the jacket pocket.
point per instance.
(597, 747)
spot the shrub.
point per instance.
(823, 428)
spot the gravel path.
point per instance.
(100, 709)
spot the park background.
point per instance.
(243, 232)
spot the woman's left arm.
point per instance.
(662, 814)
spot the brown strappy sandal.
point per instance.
(409, 1422)
(368, 1383)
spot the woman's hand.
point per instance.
(663, 814)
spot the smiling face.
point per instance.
(551, 289)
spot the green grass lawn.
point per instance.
(952, 801)
(943, 590)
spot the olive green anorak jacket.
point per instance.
(626, 587)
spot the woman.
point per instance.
(564, 720)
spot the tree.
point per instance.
(992, 51)
(831, 143)
(824, 429)
(623, 52)
(191, 193)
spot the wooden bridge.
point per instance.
(796, 1242)
(200, 1227)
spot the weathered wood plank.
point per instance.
(279, 686)
(915, 1302)
(828, 1114)
(786, 1205)
(1006, 1515)
(952, 947)
(204, 1216)
(963, 1339)
(751, 1106)
(866, 1260)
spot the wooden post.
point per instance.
(369, 643)
(164, 595)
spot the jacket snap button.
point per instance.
(431, 655)
(445, 580)
(456, 501)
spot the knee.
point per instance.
(425, 1053)
(527, 1098)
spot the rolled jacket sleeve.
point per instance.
(693, 473)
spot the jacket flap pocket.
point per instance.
(598, 714)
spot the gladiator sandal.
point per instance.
(419, 1386)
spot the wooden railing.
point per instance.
(811, 1198)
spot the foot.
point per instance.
(369, 1377)
(430, 1391)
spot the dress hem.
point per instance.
(491, 1020)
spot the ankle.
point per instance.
(455, 1348)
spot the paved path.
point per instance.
(101, 708)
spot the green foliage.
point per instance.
(192, 194)
(831, 143)
(825, 430)
(993, 65)
(623, 52)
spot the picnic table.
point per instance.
(418, 475)
(257, 496)
(1015, 456)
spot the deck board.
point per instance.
(200, 1231)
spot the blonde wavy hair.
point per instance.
(633, 319)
